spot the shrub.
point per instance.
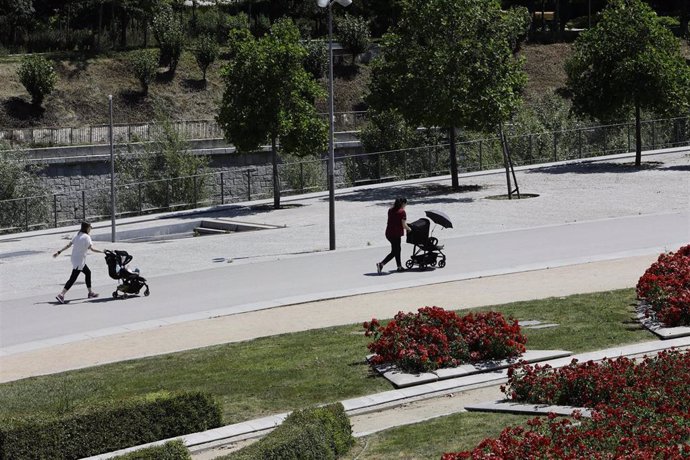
(435, 338)
(665, 287)
(205, 52)
(353, 34)
(37, 75)
(641, 411)
(320, 433)
(316, 60)
(172, 450)
(94, 430)
(20, 180)
(145, 66)
(170, 36)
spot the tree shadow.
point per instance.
(132, 96)
(346, 71)
(194, 85)
(80, 63)
(419, 193)
(19, 109)
(165, 77)
(596, 168)
(677, 168)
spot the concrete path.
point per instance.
(36, 322)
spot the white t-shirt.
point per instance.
(80, 245)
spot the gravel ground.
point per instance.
(608, 188)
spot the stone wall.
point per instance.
(80, 181)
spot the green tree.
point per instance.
(144, 66)
(205, 52)
(19, 180)
(38, 77)
(316, 60)
(169, 33)
(353, 34)
(166, 164)
(628, 63)
(450, 64)
(270, 97)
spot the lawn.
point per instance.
(281, 373)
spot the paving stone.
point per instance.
(402, 379)
(657, 328)
(525, 409)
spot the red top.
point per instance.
(395, 227)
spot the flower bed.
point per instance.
(641, 411)
(434, 338)
(665, 288)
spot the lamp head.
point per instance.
(325, 3)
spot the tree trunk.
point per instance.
(276, 181)
(638, 135)
(124, 20)
(453, 161)
(100, 26)
(684, 18)
(506, 163)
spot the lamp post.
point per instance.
(112, 172)
(331, 147)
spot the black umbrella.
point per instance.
(440, 218)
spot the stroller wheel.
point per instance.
(114, 294)
(409, 263)
(147, 292)
(441, 263)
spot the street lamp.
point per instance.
(331, 147)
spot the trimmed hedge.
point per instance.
(172, 450)
(109, 427)
(319, 433)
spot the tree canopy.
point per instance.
(269, 96)
(629, 62)
(450, 63)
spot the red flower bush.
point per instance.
(665, 287)
(435, 338)
(641, 411)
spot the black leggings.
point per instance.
(395, 250)
(75, 273)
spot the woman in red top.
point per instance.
(395, 229)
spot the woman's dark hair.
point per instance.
(85, 226)
(399, 202)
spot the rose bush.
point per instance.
(640, 411)
(435, 338)
(665, 287)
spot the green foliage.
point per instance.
(269, 96)
(38, 77)
(319, 433)
(169, 33)
(98, 429)
(19, 180)
(450, 63)
(205, 52)
(388, 132)
(171, 450)
(353, 33)
(144, 66)
(628, 62)
(165, 159)
(302, 175)
(261, 26)
(316, 59)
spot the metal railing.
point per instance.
(133, 132)
(212, 188)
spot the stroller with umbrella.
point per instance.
(427, 251)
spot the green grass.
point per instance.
(430, 439)
(281, 373)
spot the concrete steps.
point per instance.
(222, 226)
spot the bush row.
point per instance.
(173, 450)
(665, 287)
(320, 433)
(108, 427)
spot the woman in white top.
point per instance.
(81, 243)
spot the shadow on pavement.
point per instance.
(418, 194)
(594, 168)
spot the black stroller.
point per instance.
(130, 281)
(427, 251)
